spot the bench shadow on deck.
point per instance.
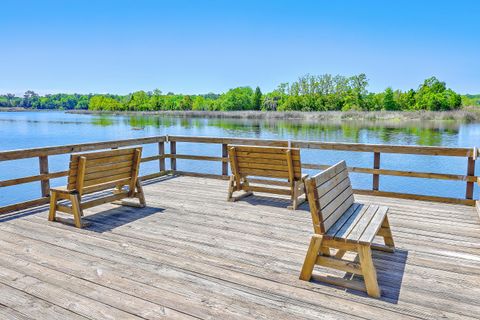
(192, 254)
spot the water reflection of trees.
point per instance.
(404, 132)
(102, 121)
(421, 133)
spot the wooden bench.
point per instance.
(266, 162)
(341, 223)
(94, 172)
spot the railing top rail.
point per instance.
(228, 140)
(341, 146)
(54, 150)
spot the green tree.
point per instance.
(156, 100)
(257, 99)
(200, 104)
(405, 100)
(236, 99)
(138, 101)
(29, 99)
(101, 102)
(10, 99)
(186, 103)
(434, 95)
(389, 100)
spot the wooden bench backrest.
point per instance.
(272, 162)
(96, 171)
(329, 195)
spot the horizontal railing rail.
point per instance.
(44, 176)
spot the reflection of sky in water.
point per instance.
(33, 129)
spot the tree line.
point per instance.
(308, 93)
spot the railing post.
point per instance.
(173, 152)
(161, 152)
(376, 165)
(224, 164)
(470, 172)
(45, 184)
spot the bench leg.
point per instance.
(77, 210)
(53, 206)
(368, 270)
(340, 253)
(140, 194)
(231, 185)
(387, 237)
(296, 193)
(311, 257)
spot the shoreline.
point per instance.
(466, 114)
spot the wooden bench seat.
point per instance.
(266, 162)
(342, 224)
(98, 171)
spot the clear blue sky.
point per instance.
(203, 46)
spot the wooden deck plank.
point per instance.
(109, 297)
(12, 314)
(33, 307)
(184, 257)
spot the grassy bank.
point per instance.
(467, 114)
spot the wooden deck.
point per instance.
(191, 254)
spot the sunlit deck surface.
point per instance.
(191, 254)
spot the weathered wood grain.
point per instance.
(231, 260)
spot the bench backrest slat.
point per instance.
(329, 194)
(96, 171)
(272, 162)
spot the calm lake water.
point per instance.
(20, 130)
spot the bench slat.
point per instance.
(101, 161)
(328, 174)
(330, 184)
(338, 213)
(92, 182)
(352, 211)
(106, 185)
(109, 166)
(263, 173)
(267, 190)
(375, 225)
(347, 227)
(104, 154)
(246, 165)
(360, 226)
(242, 154)
(333, 193)
(269, 150)
(72, 178)
(269, 161)
(107, 173)
(331, 207)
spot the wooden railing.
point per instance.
(470, 155)
(44, 176)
